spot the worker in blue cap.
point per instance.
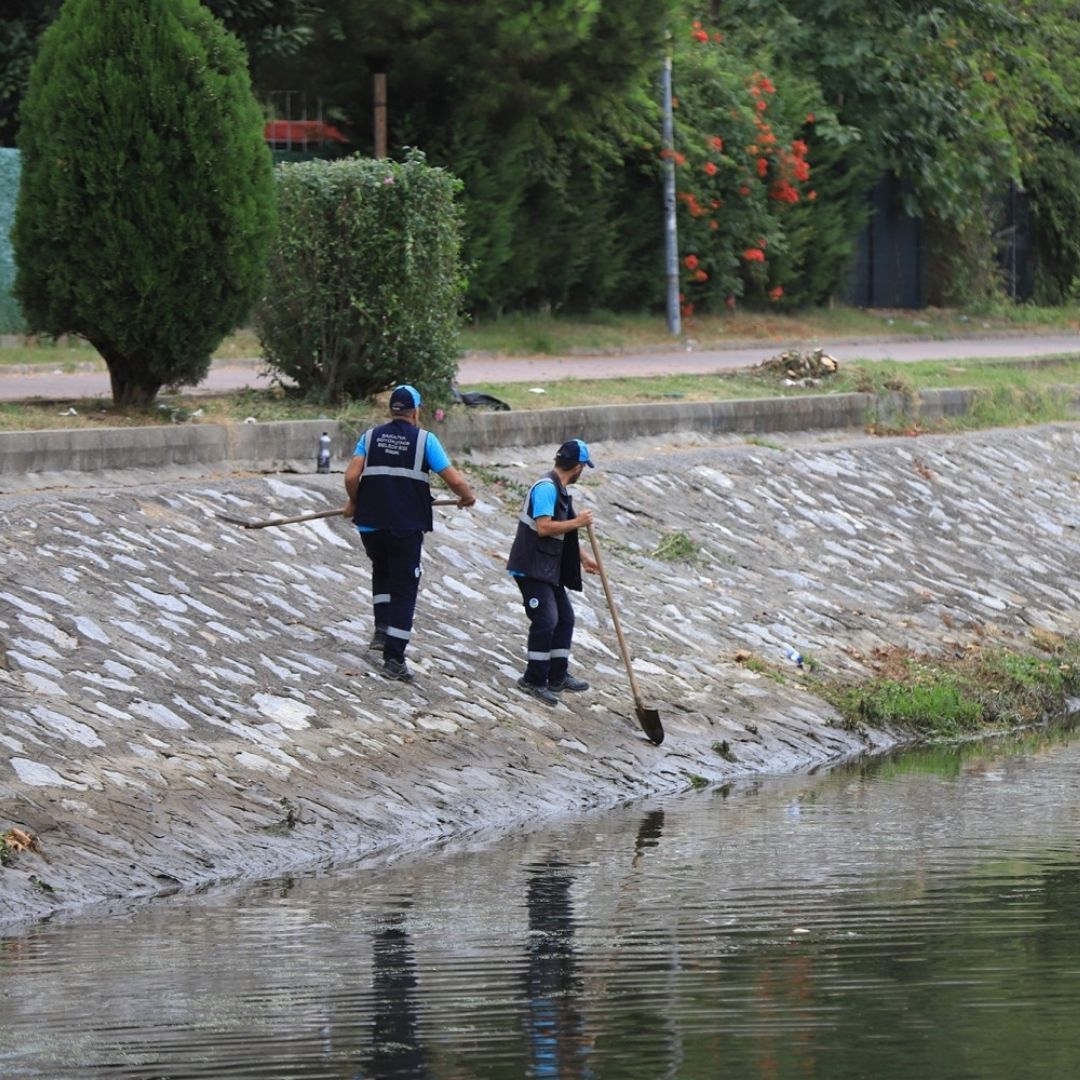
(546, 559)
(389, 501)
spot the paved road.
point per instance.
(540, 369)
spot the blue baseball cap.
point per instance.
(404, 398)
(576, 451)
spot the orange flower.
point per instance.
(775, 294)
(810, 118)
(700, 275)
(754, 255)
(811, 195)
(710, 168)
(762, 166)
(690, 262)
(716, 142)
(744, 191)
(714, 224)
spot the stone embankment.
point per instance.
(184, 702)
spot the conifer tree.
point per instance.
(146, 203)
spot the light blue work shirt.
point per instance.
(541, 504)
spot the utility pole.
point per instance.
(380, 115)
(671, 237)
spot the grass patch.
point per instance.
(231, 408)
(676, 547)
(511, 491)
(943, 697)
(69, 353)
(868, 376)
(723, 749)
(523, 335)
(760, 667)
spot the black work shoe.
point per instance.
(568, 683)
(378, 639)
(397, 669)
(541, 693)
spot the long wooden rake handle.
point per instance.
(314, 517)
(614, 615)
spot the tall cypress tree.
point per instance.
(146, 202)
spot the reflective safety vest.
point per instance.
(395, 486)
(554, 559)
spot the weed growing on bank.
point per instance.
(950, 697)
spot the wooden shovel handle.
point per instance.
(614, 615)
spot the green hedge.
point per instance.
(11, 320)
(364, 280)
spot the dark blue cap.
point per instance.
(576, 451)
(404, 398)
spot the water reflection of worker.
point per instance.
(396, 1051)
(558, 1042)
(649, 831)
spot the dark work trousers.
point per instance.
(551, 629)
(395, 581)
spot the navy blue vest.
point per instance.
(554, 559)
(394, 490)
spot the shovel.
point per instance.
(307, 517)
(649, 719)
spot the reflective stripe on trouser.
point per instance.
(551, 630)
(395, 581)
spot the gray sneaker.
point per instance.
(568, 683)
(397, 669)
(541, 693)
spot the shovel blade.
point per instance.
(649, 719)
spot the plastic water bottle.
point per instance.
(793, 655)
(322, 462)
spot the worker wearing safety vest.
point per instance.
(546, 560)
(387, 484)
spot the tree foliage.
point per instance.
(146, 199)
(364, 285)
(541, 110)
(269, 28)
(549, 114)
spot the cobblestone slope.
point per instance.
(184, 702)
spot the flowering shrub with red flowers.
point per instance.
(742, 164)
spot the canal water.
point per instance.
(911, 916)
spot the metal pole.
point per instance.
(671, 238)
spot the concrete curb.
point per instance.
(273, 445)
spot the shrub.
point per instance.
(11, 320)
(146, 200)
(365, 282)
